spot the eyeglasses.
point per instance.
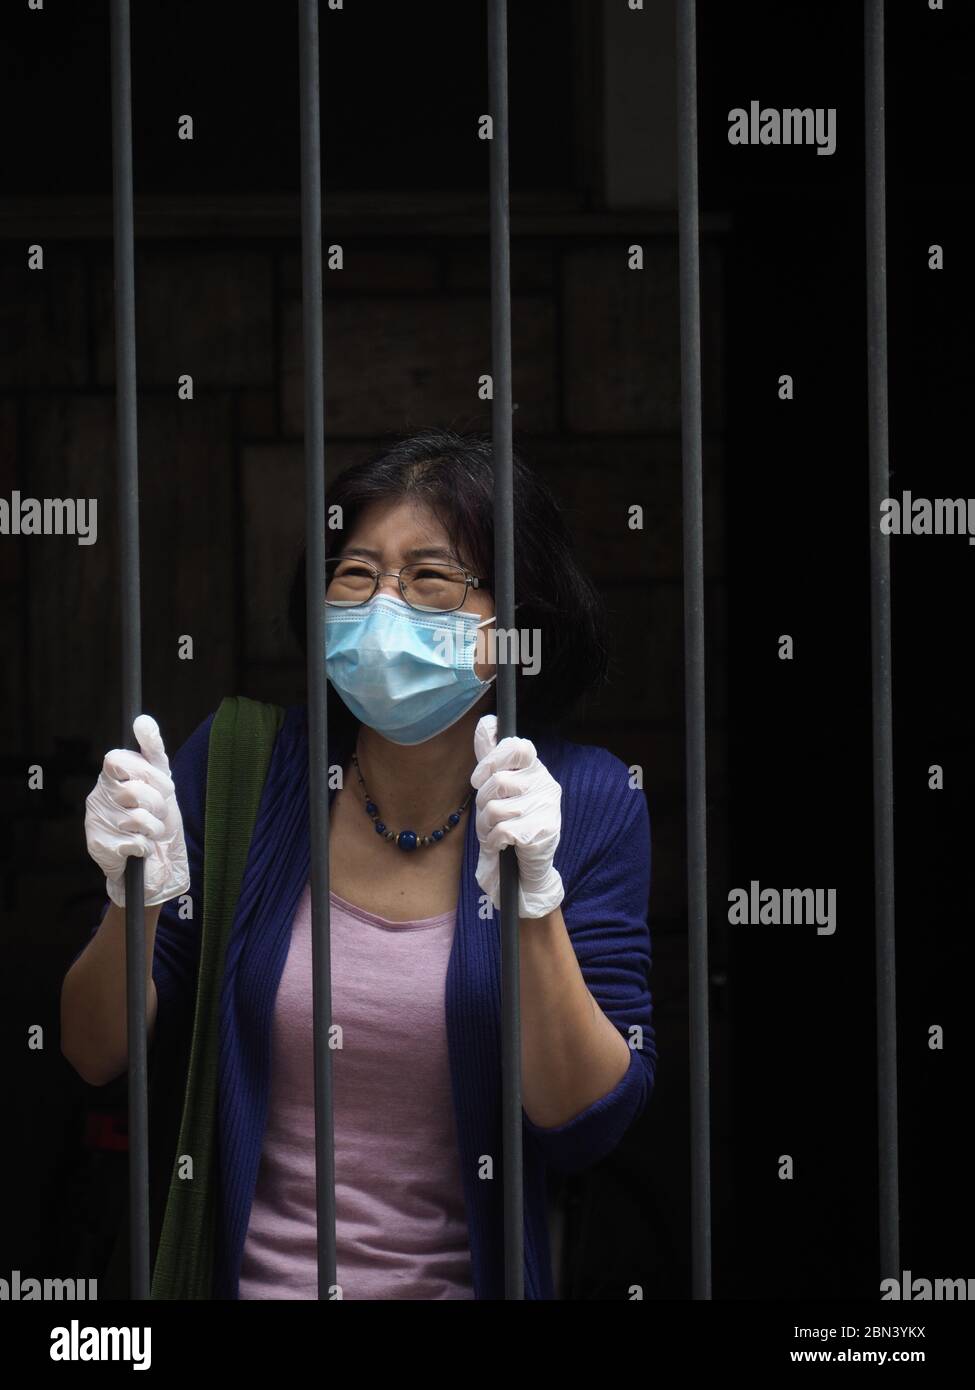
(430, 587)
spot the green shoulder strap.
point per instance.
(242, 738)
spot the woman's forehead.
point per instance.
(398, 524)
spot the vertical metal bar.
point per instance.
(504, 597)
(694, 688)
(130, 596)
(313, 329)
(883, 754)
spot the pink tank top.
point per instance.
(401, 1225)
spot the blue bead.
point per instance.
(380, 827)
(371, 807)
(436, 835)
(406, 839)
(454, 818)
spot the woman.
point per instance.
(426, 799)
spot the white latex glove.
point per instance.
(132, 809)
(518, 803)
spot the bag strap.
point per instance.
(242, 738)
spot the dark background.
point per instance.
(596, 381)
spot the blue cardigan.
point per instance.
(604, 859)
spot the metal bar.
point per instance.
(130, 598)
(313, 329)
(504, 597)
(694, 687)
(880, 643)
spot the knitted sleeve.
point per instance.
(606, 837)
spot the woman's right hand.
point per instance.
(132, 809)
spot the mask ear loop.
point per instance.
(477, 627)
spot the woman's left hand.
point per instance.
(518, 804)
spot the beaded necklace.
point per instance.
(409, 839)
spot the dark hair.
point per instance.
(453, 474)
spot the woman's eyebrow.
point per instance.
(417, 553)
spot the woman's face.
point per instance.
(399, 532)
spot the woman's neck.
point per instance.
(417, 786)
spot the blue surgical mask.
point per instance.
(408, 675)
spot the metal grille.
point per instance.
(694, 631)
